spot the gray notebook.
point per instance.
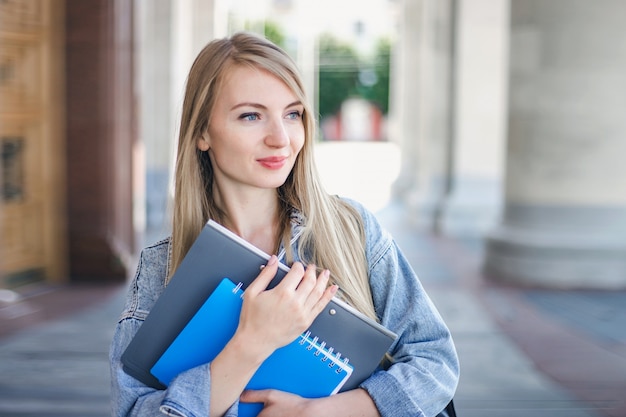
(218, 253)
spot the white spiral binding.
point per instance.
(237, 288)
(321, 348)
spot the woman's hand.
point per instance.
(352, 403)
(277, 403)
(274, 318)
(269, 319)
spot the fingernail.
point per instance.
(334, 288)
(272, 260)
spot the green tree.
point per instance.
(338, 73)
(343, 74)
(271, 30)
(374, 78)
(274, 33)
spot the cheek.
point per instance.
(297, 140)
(221, 144)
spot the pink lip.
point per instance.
(273, 162)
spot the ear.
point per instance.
(203, 143)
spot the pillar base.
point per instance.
(559, 247)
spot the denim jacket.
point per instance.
(420, 381)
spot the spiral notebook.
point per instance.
(218, 253)
(306, 367)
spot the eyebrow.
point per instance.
(262, 106)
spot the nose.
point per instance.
(277, 135)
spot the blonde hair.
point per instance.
(333, 236)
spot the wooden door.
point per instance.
(32, 190)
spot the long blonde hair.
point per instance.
(333, 236)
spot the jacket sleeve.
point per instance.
(188, 394)
(424, 371)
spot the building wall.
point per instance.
(32, 142)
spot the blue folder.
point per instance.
(306, 367)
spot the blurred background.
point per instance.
(487, 135)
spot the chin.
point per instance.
(274, 186)
(272, 181)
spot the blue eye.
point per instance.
(294, 115)
(249, 117)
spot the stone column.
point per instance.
(473, 202)
(156, 121)
(100, 129)
(564, 221)
(404, 106)
(171, 34)
(420, 102)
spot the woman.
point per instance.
(245, 159)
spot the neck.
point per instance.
(254, 216)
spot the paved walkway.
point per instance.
(53, 352)
(523, 352)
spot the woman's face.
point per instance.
(256, 131)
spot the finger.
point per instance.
(292, 279)
(308, 281)
(321, 304)
(317, 289)
(254, 396)
(261, 282)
